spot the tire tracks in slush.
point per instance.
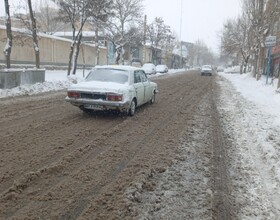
(89, 151)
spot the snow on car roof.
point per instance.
(122, 67)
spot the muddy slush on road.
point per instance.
(166, 162)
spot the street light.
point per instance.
(181, 55)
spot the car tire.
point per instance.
(132, 108)
(153, 99)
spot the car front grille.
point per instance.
(93, 96)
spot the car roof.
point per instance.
(121, 67)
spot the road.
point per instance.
(59, 163)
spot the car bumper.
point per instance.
(99, 104)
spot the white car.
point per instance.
(161, 68)
(207, 70)
(121, 88)
(149, 68)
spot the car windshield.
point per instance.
(108, 75)
(206, 67)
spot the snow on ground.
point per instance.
(54, 80)
(248, 110)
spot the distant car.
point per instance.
(161, 68)
(149, 68)
(121, 88)
(206, 70)
(234, 69)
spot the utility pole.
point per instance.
(181, 53)
(144, 40)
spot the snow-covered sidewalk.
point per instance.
(250, 113)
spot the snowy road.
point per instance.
(201, 152)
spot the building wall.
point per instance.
(53, 50)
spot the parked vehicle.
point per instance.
(149, 68)
(234, 69)
(206, 70)
(161, 68)
(121, 88)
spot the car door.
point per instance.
(139, 87)
(147, 87)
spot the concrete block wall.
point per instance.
(12, 78)
(9, 79)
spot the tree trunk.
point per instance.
(8, 48)
(96, 47)
(34, 35)
(241, 68)
(260, 63)
(255, 65)
(77, 53)
(246, 64)
(70, 57)
(278, 85)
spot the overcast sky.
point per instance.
(201, 19)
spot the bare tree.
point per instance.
(235, 40)
(200, 54)
(126, 14)
(99, 14)
(73, 11)
(47, 21)
(157, 34)
(8, 47)
(34, 34)
(77, 12)
(262, 15)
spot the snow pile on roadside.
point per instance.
(37, 88)
(234, 69)
(34, 89)
(55, 80)
(250, 119)
(262, 94)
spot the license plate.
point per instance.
(93, 107)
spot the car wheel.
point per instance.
(132, 108)
(153, 99)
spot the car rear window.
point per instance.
(108, 75)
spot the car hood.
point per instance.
(96, 86)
